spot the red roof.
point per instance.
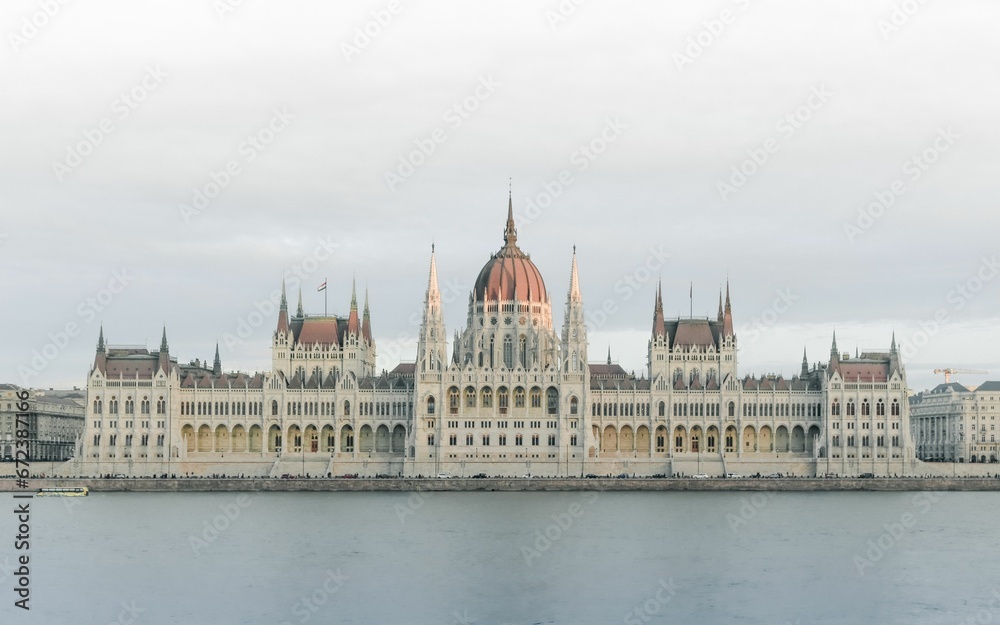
(322, 330)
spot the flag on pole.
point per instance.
(322, 287)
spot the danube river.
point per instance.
(525, 558)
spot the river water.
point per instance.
(525, 558)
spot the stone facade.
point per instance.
(513, 396)
(953, 423)
(55, 423)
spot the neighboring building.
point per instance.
(513, 395)
(55, 423)
(954, 423)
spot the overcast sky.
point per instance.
(687, 141)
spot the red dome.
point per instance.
(510, 274)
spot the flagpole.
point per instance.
(326, 289)
(691, 300)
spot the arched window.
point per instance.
(536, 397)
(347, 408)
(732, 409)
(97, 406)
(835, 408)
(866, 409)
(508, 352)
(573, 405)
(274, 407)
(519, 397)
(522, 351)
(895, 408)
(487, 397)
(662, 409)
(850, 408)
(552, 400)
(430, 405)
(453, 400)
(880, 409)
(470, 397)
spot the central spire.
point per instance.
(510, 234)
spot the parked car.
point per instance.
(701, 476)
(866, 476)
(734, 476)
(444, 476)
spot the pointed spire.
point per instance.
(101, 358)
(163, 358)
(299, 312)
(510, 234)
(433, 294)
(659, 326)
(609, 353)
(353, 325)
(217, 365)
(720, 305)
(805, 363)
(727, 317)
(574, 283)
(892, 348)
(283, 311)
(366, 323)
(834, 353)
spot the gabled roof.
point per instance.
(693, 332)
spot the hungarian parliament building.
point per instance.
(510, 396)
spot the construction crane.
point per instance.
(949, 371)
